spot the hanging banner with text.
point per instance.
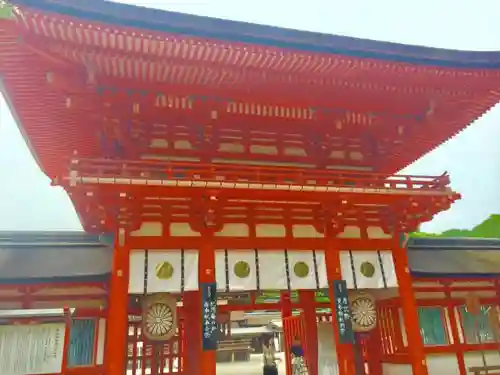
(209, 315)
(343, 312)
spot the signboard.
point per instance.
(343, 312)
(31, 349)
(209, 315)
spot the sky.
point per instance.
(28, 202)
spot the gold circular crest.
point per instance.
(242, 269)
(164, 270)
(367, 269)
(301, 269)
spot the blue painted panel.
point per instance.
(431, 326)
(476, 326)
(81, 342)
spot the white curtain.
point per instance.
(327, 354)
(321, 264)
(157, 285)
(367, 282)
(272, 269)
(136, 271)
(191, 270)
(390, 272)
(186, 262)
(307, 282)
(220, 270)
(384, 274)
(242, 283)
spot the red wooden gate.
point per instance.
(294, 328)
(145, 357)
(368, 345)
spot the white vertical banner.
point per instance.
(272, 270)
(321, 266)
(387, 262)
(220, 270)
(242, 260)
(368, 273)
(302, 270)
(346, 269)
(157, 257)
(368, 269)
(136, 272)
(191, 270)
(31, 349)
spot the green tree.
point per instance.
(490, 228)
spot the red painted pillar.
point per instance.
(117, 322)
(192, 329)
(455, 334)
(65, 359)
(286, 304)
(398, 327)
(345, 352)
(409, 307)
(375, 353)
(206, 275)
(308, 304)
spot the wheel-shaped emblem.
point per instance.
(159, 319)
(363, 312)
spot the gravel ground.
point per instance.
(253, 367)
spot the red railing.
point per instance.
(389, 326)
(153, 172)
(145, 357)
(368, 345)
(294, 329)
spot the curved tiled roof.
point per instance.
(454, 257)
(429, 244)
(34, 257)
(43, 239)
(432, 93)
(241, 32)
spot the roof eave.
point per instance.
(252, 34)
(19, 124)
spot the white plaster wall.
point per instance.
(475, 359)
(101, 340)
(396, 369)
(439, 364)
